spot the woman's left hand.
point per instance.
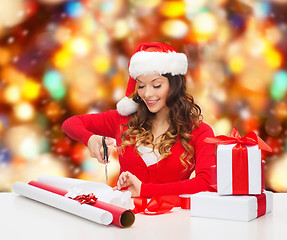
(129, 181)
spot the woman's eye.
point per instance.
(158, 86)
(140, 87)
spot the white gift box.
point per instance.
(232, 207)
(224, 170)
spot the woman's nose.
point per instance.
(148, 92)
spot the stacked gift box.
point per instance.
(238, 180)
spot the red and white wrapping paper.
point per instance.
(77, 187)
(66, 204)
(238, 177)
(232, 207)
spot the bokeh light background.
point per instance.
(59, 58)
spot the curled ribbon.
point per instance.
(88, 199)
(250, 138)
(157, 205)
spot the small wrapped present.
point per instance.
(232, 207)
(239, 164)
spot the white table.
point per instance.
(23, 218)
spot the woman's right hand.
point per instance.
(95, 147)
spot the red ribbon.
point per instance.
(261, 202)
(250, 138)
(160, 204)
(87, 199)
(240, 183)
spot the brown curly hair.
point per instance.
(184, 116)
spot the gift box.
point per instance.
(239, 164)
(232, 207)
(238, 175)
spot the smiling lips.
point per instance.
(151, 102)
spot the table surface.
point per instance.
(23, 218)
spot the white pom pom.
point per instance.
(127, 106)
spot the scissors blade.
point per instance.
(106, 173)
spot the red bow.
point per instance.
(250, 138)
(157, 205)
(88, 199)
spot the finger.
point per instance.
(121, 181)
(110, 141)
(99, 157)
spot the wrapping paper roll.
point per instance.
(76, 187)
(121, 216)
(71, 206)
(60, 182)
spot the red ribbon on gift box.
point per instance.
(240, 156)
(261, 204)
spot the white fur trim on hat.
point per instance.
(144, 63)
(127, 106)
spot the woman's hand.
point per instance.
(129, 181)
(95, 147)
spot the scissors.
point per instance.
(106, 157)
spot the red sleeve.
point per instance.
(82, 127)
(204, 158)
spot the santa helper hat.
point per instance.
(150, 58)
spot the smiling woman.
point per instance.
(157, 127)
(153, 90)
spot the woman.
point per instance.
(157, 127)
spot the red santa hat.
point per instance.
(150, 58)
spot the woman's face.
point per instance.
(153, 90)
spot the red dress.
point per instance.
(168, 176)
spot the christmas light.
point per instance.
(174, 28)
(31, 90)
(172, 9)
(279, 87)
(53, 82)
(12, 94)
(24, 111)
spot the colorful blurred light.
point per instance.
(31, 90)
(53, 82)
(174, 28)
(121, 28)
(80, 46)
(281, 110)
(222, 126)
(12, 94)
(143, 4)
(107, 6)
(62, 34)
(102, 64)
(62, 58)
(273, 58)
(4, 55)
(25, 141)
(262, 9)
(53, 111)
(89, 25)
(24, 111)
(74, 9)
(172, 9)
(279, 86)
(5, 155)
(204, 26)
(193, 7)
(277, 174)
(11, 12)
(236, 64)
